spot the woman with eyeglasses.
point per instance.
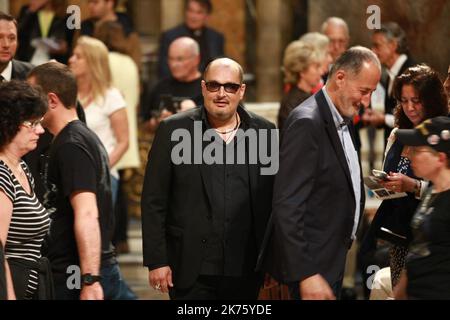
(23, 220)
(420, 96)
(427, 274)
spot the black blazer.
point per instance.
(214, 40)
(20, 69)
(313, 203)
(176, 203)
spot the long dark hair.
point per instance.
(431, 94)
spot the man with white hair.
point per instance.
(336, 30)
(182, 88)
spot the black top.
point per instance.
(176, 89)
(428, 261)
(290, 101)
(231, 214)
(395, 214)
(77, 161)
(35, 159)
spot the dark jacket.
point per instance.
(313, 203)
(20, 69)
(176, 204)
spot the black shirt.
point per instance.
(35, 159)
(231, 215)
(77, 161)
(171, 87)
(428, 261)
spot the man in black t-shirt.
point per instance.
(78, 196)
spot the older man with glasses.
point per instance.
(203, 224)
(179, 92)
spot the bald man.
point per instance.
(203, 221)
(181, 89)
(336, 30)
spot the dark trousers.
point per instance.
(121, 212)
(219, 288)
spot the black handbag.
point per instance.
(393, 218)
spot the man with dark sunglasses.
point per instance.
(203, 224)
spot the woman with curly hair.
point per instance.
(420, 95)
(23, 220)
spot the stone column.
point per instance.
(269, 49)
(171, 13)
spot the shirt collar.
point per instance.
(395, 69)
(7, 73)
(339, 121)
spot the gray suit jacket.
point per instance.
(313, 204)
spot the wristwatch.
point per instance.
(89, 279)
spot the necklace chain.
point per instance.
(230, 130)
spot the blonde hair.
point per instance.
(318, 40)
(297, 57)
(96, 55)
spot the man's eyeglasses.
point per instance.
(33, 124)
(179, 59)
(213, 86)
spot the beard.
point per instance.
(348, 107)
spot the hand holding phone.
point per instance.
(380, 174)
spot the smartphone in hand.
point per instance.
(380, 174)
